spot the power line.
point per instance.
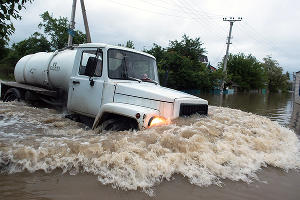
(206, 19)
(260, 40)
(188, 14)
(167, 7)
(211, 15)
(151, 11)
(185, 11)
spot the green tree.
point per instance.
(157, 51)
(57, 30)
(188, 47)
(3, 49)
(246, 71)
(276, 79)
(179, 65)
(287, 75)
(35, 43)
(9, 10)
(129, 44)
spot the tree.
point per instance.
(3, 50)
(129, 44)
(9, 9)
(157, 51)
(287, 75)
(191, 48)
(57, 30)
(182, 65)
(160, 54)
(276, 79)
(246, 71)
(35, 43)
(179, 65)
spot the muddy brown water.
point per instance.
(248, 149)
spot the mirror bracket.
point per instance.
(92, 82)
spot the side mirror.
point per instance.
(91, 66)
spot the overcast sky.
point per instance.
(269, 27)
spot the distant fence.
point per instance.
(218, 91)
(193, 92)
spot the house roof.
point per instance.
(203, 58)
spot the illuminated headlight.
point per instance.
(157, 121)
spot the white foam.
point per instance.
(228, 144)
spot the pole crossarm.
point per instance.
(232, 19)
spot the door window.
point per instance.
(84, 59)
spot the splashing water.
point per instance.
(228, 144)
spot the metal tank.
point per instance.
(49, 70)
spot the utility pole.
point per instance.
(231, 20)
(86, 25)
(72, 24)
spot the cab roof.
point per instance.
(102, 45)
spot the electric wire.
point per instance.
(187, 11)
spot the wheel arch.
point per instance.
(137, 113)
(108, 115)
(11, 90)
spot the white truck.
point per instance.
(116, 87)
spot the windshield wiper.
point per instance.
(134, 79)
(150, 80)
(125, 72)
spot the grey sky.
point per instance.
(269, 27)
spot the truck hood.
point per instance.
(151, 91)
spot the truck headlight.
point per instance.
(157, 121)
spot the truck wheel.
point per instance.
(12, 94)
(119, 124)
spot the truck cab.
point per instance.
(116, 86)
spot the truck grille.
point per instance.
(190, 109)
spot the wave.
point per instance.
(227, 144)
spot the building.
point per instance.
(205, 61)
(295, 118)
(297, 87)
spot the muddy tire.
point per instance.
(118, 124)
(12, 94)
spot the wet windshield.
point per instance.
(130, 66)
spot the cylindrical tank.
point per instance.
(49, 70)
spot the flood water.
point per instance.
(277, 107)
(248, 149)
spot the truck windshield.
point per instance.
(130, 66)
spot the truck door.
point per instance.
(85, 92)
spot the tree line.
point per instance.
(249, 74)
(180, 64)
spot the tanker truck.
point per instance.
(116, 87)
